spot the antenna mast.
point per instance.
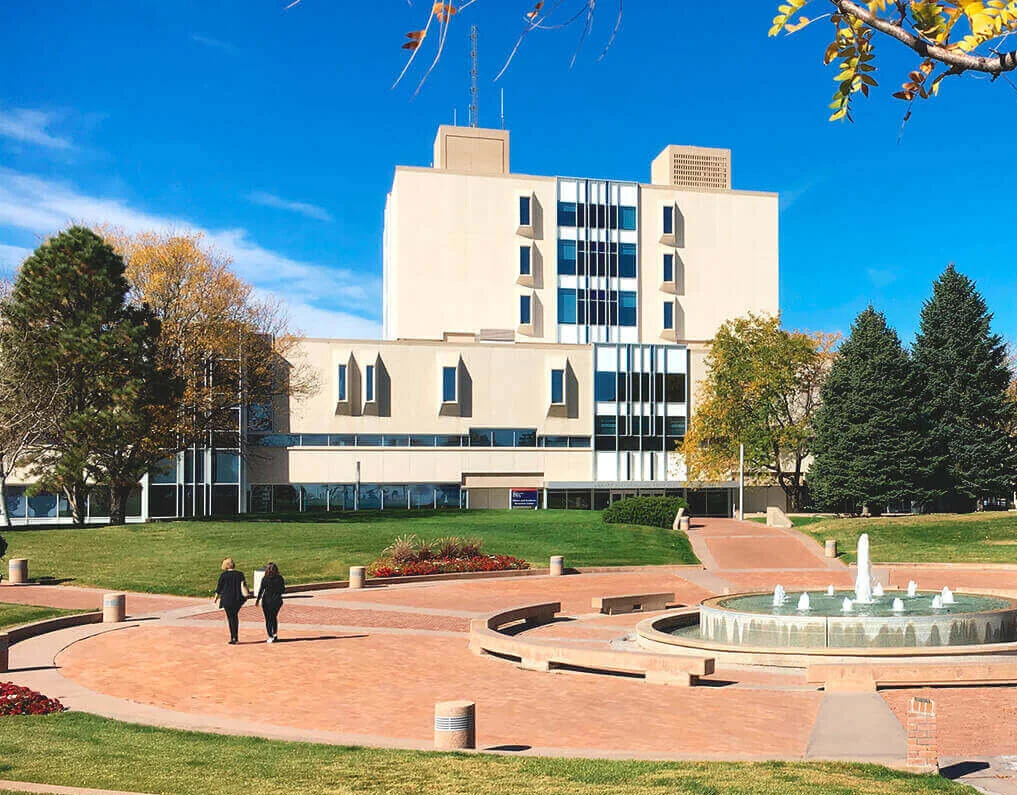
(474, 112)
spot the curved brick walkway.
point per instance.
(365, 667)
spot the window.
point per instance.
(669, 220)
(524, 260)
(566, 305)
(557, 387)
(369, 383)
(524, 310)
(226, 467)
(566, 213)
(674, 388)
(524, 211)
(628, 218)
(341, 383)
(669, 267)
(626, 308)
(668, 315)
(605, 426)
(605, 386)
(448, 384)
(627, 260)
(567, 257)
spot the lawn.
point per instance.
(989, 537)
(183, 557)
(72, 748)
(15, 615)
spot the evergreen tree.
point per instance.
(68, 312)
(869, 447)
(963, 368)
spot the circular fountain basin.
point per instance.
(751, 620)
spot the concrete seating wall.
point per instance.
(631, 603)
(869, 676)
(543, 655)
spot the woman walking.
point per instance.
(270, 595)
(231, 593)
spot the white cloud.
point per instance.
(30, 126)
(303, 208)
(313, 321)
(215, 44)
(42, 206)
(11, 257)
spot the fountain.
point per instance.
(863, 581)
(858, 621)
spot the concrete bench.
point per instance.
(867, 677)
(631, 603)
(544, 655)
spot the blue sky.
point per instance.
(277, 133)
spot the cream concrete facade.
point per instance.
(499, 385)
(453, 234)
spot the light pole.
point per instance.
(356, 490)
(741, 482)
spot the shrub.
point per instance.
(3, 547)
(471, 547)
(16, 700)
(402, 550)
(450, 547)
(650, 511)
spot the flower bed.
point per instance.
(408, 556)
(387, 568)
(16, 700)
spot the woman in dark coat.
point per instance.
(270, 595)
(231, 593)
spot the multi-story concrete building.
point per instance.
(543, 337)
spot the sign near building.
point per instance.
(524, 498)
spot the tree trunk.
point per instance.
(5, 516)
(118, 504)
(77, 498)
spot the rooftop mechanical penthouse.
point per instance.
(543, 340)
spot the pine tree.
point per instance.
(963, 368)
(869, 447)
(74, 329)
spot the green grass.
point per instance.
(989, 537)
(77, 749)
(15, 615)
(184, 557)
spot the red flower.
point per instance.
(388, 568)
(16, 700)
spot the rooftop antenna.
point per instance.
(454, 122)
(503, 108)
(474, 113)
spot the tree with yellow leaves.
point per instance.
(762, 391)
(234, 350)
(948, 37)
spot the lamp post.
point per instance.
(741, 482)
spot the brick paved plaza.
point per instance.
(368, 666)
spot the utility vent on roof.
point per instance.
(693, 168)
(497, 335)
